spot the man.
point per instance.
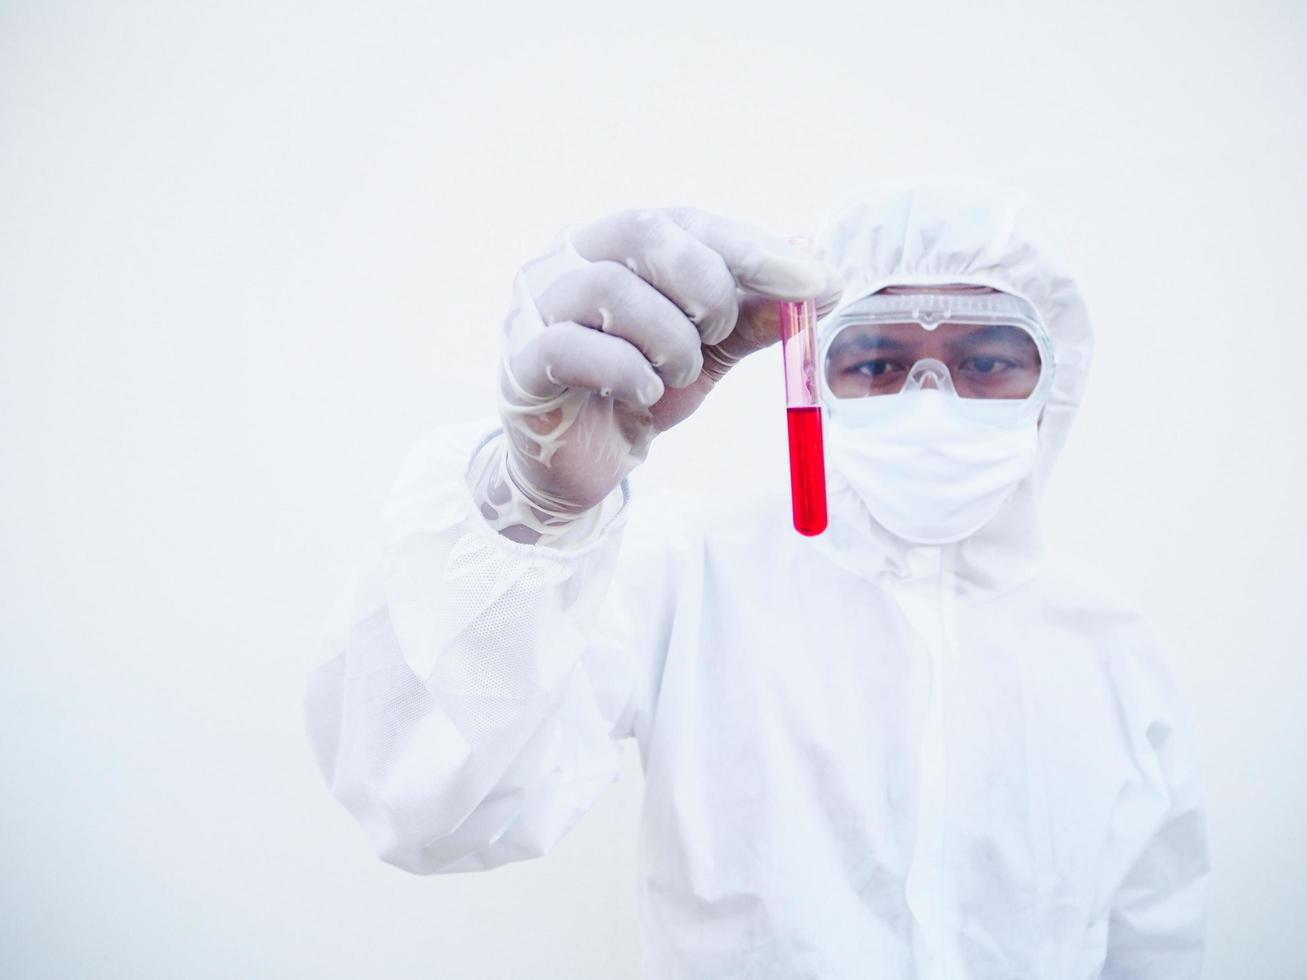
(904, 748)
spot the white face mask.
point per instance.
(929, 470)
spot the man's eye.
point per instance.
(875, 368)
(987, 365)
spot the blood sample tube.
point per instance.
(803, 412)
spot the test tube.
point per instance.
(803, 414)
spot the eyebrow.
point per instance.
(869, 342)
(995, 331)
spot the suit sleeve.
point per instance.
(466, 710)
(1157, 923)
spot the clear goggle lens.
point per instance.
(974, 360)
(984, 346)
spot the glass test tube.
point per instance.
(803, 414)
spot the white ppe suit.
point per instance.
(863, 758)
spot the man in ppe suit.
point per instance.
(907, 747)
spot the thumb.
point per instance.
(758, 327)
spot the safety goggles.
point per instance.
(989, 350)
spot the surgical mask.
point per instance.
(928, 471)
(933, 403)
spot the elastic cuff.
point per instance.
(573, 540)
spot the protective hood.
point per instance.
(968, 232)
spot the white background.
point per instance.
(250, 252)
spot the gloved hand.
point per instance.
(618, 334)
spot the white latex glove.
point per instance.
(618, 334)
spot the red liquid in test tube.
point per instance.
(803, 411)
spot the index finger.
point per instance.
(758, 262)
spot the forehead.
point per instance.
(903, 336)
(941, 311)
